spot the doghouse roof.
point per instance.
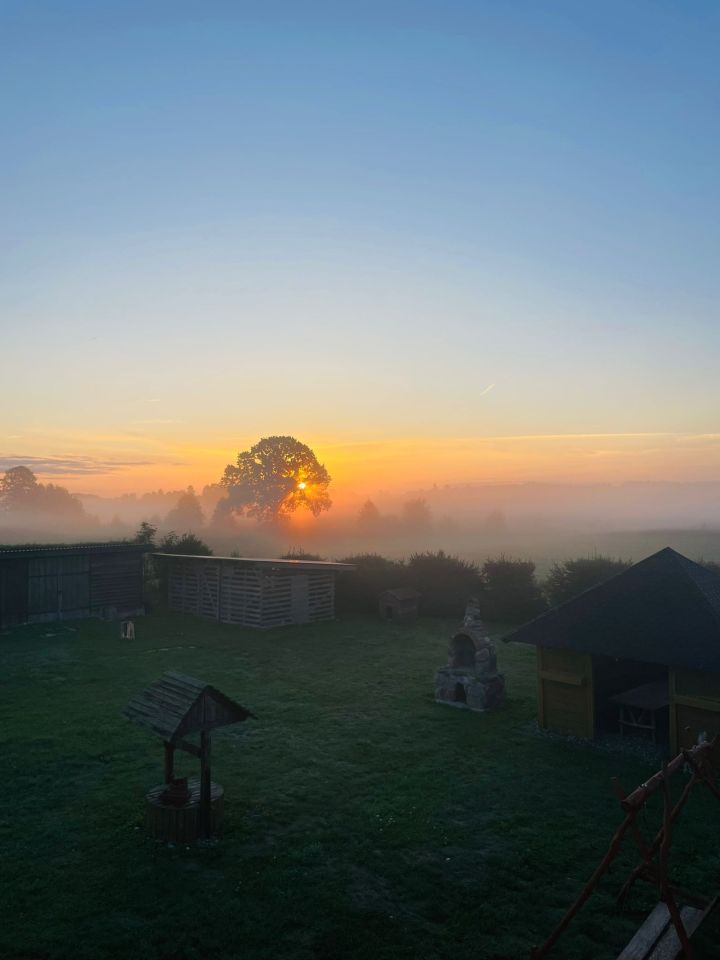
(402, 593)
(175, 706)
(665, 609)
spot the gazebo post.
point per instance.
(169, 761)
(205, 784)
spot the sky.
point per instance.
(437, 241)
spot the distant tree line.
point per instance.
(508, 589)
(20, 492)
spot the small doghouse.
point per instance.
(402, 604)
(175, 707)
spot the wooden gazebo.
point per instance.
(175, 707)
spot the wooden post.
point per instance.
(169, 758)
(205, 799)
(666, 893)
(219, 589)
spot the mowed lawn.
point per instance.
(362, 819)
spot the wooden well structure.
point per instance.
(176, 707)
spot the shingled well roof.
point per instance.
(176, 705)
(665, 609)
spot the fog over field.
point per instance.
(540, 521)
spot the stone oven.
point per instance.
(470, 678)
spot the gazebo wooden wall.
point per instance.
(565, 692)
(659, 622)
(252, 593)
(694, 707)
(66, 582)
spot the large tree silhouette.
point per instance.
(273, 479)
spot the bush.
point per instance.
(511, 591)
(299, 554)
(356, 591)
(187, 544)
(444, 582)
(570, 577)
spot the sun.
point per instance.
(302, 485)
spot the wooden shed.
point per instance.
(252, 592)
(638, 654)
(39, 583)
(400, 605)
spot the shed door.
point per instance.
(299, 598)
(13, 592)
(57, 586)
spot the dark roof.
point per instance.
(177, 705)
(286, 565)
(665, 609)
(69, 549)
(402, 593)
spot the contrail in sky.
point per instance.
(486, 390)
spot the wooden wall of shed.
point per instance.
(565, 692)
(41, 589)
(694, 707)
(116, 582)
(250, 596)
(13, 592)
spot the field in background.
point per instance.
(362, 819)
(542, 546)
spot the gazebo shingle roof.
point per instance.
(665, 609)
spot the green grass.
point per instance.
(362, 819)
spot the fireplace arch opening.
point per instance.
(463, 651)
(460, 694)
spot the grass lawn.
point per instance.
(362, 819)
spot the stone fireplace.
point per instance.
(470, 678)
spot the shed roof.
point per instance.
(177, 705)
(402, 593)
(287, 565)
(664, 609)
(69, 549)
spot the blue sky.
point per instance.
(356, 222)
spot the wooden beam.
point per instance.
(169, 761)
(567, 678)
(205, 798)
(638, 797)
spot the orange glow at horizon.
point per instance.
(364, 468)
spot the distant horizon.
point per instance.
(362, 467)
(438, 243)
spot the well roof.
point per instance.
(664, 609)
(177, 705)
